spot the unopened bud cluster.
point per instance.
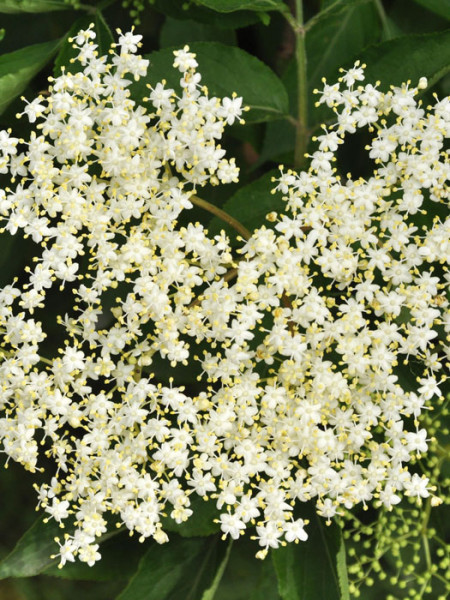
(312, 330)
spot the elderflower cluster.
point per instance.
(302, 337)
(334, 336)
(99, 186)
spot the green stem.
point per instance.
(200, 571)
(319, 16)
(221, 214)
(211, 591)
(444, 451)
(426, 549)
(104, 4)
(301, 136)
(389, 32)
(47, 361)
(87, 7)
(11, 353)
(290, 119)
(381, 13)
(229, 275)
(423, 588)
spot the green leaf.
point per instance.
(326, 3)
(161, 569)
(2, 34)
(104, 34)
(200, 523)
(390, 29)
(250, 205)
(315, 568)
(265, 588)
(428, 56)
(338, 35)
(439, 7)
(112, 565)
(32, 6)
(210, 593)
(334, 37)
(227, 6)
(411, 17)
(174, 30)
(246, 577)
(224, 70)
(201, 14)
(104, 39)
(19, 67)
(32, 553)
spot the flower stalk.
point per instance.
(301, 135)
(221, 214)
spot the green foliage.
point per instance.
(161, 569)
(67, 54)
(226, 69)
(202, 14)
(210, 593)
(246, 577)
(112, 566)
(201, 523)
(32, 6)
(251, 203)
(440, 7)
(232, 5)
(333, 39)
(18, 68)
(428, 56)
(339, 36)
(315, 568)
(192, 31)
(33, 552)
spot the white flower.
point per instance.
(268, 535)
(295, 531)
(184, 60)
(304, 327)
(231, 109)
(231, 525)
(417, 486)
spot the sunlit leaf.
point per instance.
(428, 56)
(34, 551)
(233, 5)
(32, 6)
(32, 554)
(224, 70)
(19, 67)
